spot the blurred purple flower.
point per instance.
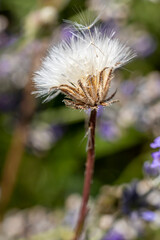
(109, 25)
(107, 130)
(5, 67)
(99, 111)
(113, 235)
(57, 131)
(128, 87)
(153, 169)
(131, 199)
(66, 32)
(145, 45)
(150, 170)
(156, 143)
(148, 216)
(9, 102)
(156, 160)
(7, 40)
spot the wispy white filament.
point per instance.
(86, 53)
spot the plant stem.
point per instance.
(19, 138)
(88, 174)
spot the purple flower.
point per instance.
(107, 130)
(113, 235)
(148, 216)
(109, 25)
(156, 155)
(66, 32)
(7, 40)
(99, 111)
(128, 87)
(156, 143)
(150, 169)
(57, 131)
(9, 102)
(5, 67)
(131, 199)
(145, 45)
(153, 169)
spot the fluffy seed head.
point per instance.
(82, 68)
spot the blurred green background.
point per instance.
(43, 146)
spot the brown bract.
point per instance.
(90, 92)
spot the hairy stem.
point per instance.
(88, 175)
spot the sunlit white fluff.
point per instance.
(85, 54)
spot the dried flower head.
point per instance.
(82, 68)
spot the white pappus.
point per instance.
(82, 68)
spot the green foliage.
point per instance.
(49, 177)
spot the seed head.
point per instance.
(82, 68)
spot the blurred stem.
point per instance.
(88, 175)
(17, 146)
(11, 166)
(16, 149)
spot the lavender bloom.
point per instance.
(148, 216)
(5, 67)
(156, 143)
(113, 235)
(9, 102)
(107, 130)
(66, 33)
(150, 169)
(156, 160)
(156, 155)
(128, 87)
(99, 111)
(57, 131)
(131, 199)
(7, 40)
(153, 169)
(145, 45)
(136, 205)
(109, 25)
